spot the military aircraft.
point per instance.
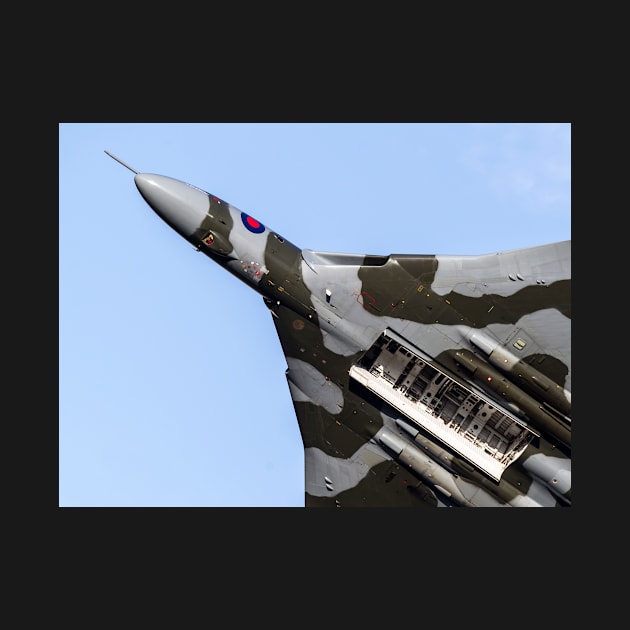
(417, 380)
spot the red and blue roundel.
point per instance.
(251, 224)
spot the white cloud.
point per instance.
(529, 161)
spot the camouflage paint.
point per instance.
(498, 324)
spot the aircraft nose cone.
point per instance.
(181, 205)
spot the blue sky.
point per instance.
(171, 377)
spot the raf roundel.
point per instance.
(251, 224)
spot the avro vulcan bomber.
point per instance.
(417, 379)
